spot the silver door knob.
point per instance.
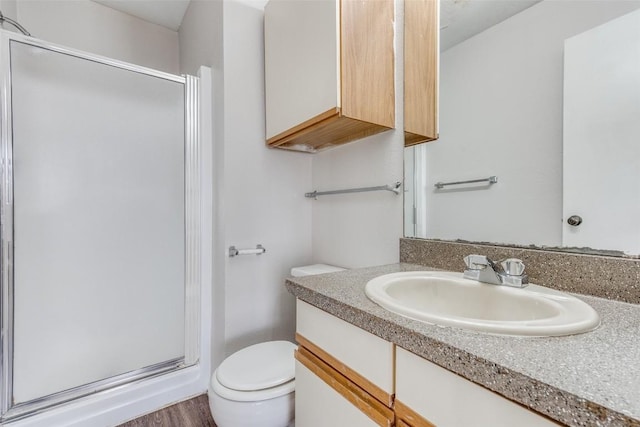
(574, 220)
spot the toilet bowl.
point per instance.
(255, 387)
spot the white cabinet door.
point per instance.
(301, 62)
(351, 347)
(448, 400)
(319, 405)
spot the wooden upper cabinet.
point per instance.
(421, 57)
(329, 71)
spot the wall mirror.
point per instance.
(544, 96)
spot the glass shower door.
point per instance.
(94, 190)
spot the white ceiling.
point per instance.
(459, 19)
(168, 13)
(462, 19)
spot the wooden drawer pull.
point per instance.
(409, 417)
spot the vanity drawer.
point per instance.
(448, 400)
(324, 397)
(362, 357)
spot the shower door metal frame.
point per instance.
(10, 411)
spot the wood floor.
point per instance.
(190, 413)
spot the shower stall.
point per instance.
(100, 226)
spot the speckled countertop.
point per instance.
(590, 379)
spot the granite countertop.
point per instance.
(590, 379)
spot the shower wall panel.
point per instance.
(99, 221)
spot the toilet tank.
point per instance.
(310, 270)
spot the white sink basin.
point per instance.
(447, 299)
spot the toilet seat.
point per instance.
(259, 372)
(251, 396)
(258, 367)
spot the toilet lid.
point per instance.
(258, 367)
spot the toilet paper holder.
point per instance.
(233, 251)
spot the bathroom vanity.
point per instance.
(368, 366)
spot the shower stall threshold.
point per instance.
(38, 405)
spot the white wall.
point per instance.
(264, 192)
(260, 192)
(362, 229)
(10, 9)
(501, 114)
(92, 27)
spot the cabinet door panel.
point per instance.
(438, 395)
(350, 345)
(318, 405)
(301, 62)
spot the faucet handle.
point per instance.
(476, 262)
(513, 266)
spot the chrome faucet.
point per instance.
(509, 272)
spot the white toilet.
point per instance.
(255, 387)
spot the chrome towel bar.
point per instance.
(233, 251)
(491, 180)
(395, 188)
